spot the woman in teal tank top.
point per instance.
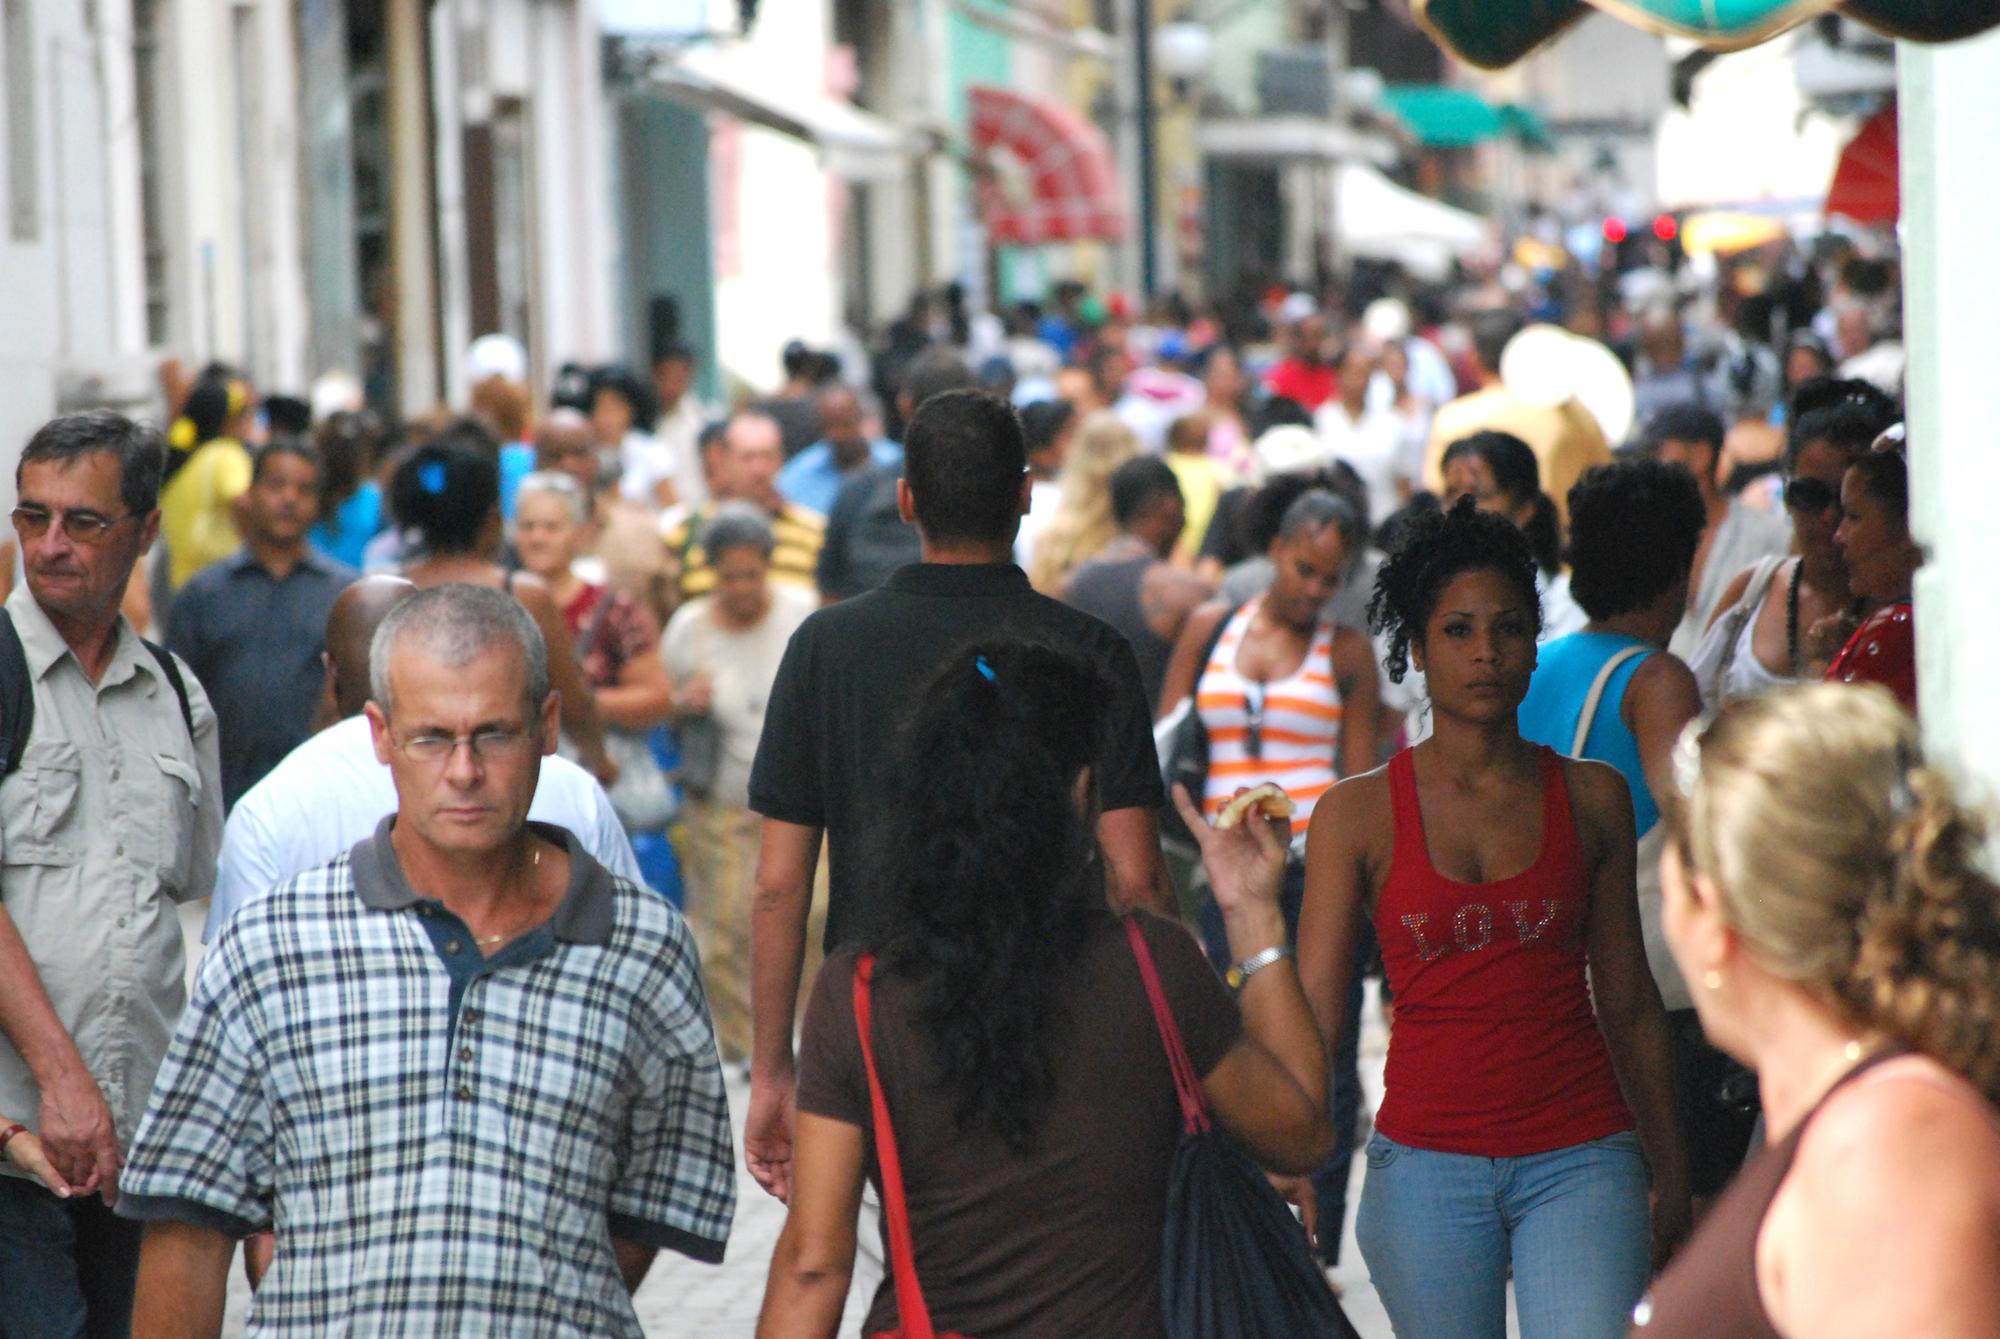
(1634, 529)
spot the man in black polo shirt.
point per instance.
(843, 690)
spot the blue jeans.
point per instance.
(1439, 1231)
(67, 1267)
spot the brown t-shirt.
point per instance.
(1064, 1240)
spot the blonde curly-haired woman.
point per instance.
(1823, 897)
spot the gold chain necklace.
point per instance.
(533, 864)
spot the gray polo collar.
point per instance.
(582, 917)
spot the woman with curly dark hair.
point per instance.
(1033, 1107)
(1824, 886)
(1496, 874)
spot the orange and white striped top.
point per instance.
(1286, 732)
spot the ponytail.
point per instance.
(1544, 531)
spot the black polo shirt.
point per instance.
(849, 680)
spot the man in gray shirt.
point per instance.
(113, 816)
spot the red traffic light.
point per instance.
(1614, 230)
(1666, 228)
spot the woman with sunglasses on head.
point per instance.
(1528, 1078)
(1779, 622)
(1882, 561)
(1286, 695)
(1824, 894)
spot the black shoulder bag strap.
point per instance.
(17, 693)
(17, 696)
(173, 673)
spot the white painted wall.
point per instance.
(786, 279)
(71, 337)
(1950, 120)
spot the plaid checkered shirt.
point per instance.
(445, 1143)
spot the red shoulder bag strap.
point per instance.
(910, 1308)
(1187, 1084)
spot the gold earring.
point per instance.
(1712, 979)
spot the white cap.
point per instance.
(1286, 449)
(496, 356)
(335, 393)
(1296, 307)
(1386, 320)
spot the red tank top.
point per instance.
(1495, 1051)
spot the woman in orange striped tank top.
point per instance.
(1290, 698)
(1285, 695)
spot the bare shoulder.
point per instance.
(1349, 642)
(1732, 594)
(1912, 1126)
(1599, 799)
(1664, 672)
(1355, 813)
(1206, 618)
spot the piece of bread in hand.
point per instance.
(1267, 799)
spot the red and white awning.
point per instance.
(1050, 175)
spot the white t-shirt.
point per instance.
(330, 792)
(743, 664)
(1373, 445)
(1043, 497)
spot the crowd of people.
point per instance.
(921, 687)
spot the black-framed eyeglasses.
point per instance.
(1811, 496)
(82, 526)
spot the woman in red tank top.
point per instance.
(1822, 891)
(1519, 1121)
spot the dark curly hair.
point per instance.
(1435, 548)
(1634, 527)
(1846, 414)
(995, 882)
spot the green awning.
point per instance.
(1442, 117)
(1495, 33)
(1528, 125)
(1439, 116)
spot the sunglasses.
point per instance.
(1811, 496)
(1253, 720)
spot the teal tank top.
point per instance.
(1565, 669)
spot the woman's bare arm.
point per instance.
(1629, 1012)
(1184, 668)
(1360, 701)
(814, 1260)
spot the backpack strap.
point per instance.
(173, 673)
(17, 693)
(17, 696)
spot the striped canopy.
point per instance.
(1494, 33)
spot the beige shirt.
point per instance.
(1566, 439)
(744, 664)
(114, 816)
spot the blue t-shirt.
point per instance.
(517, 462)
(344, 535)
(1564, 672)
